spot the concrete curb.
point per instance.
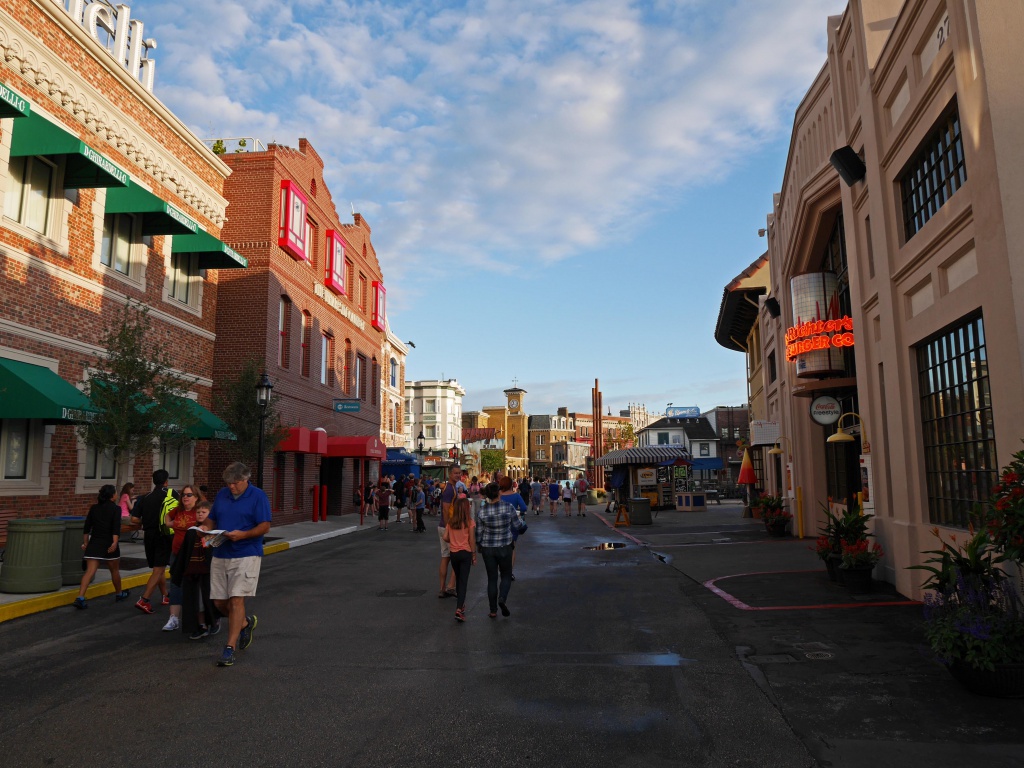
(66, 596)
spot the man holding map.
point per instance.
(242, 513)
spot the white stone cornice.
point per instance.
(27, 55)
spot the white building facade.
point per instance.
(392, 387)
(433, 408)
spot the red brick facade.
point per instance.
(249, 310)
(55, 296)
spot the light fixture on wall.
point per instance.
(777, 450)
(848, 165)
(772, 305)
(842, 436)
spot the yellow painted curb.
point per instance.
(64, 597)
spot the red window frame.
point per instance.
(379, 305)
(335, 263)
(291, 234)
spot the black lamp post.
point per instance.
(419, 444)
(263, 390)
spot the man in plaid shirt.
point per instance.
(494, 523)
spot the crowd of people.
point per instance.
(213, 551)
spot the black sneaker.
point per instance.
(245, 636)
(227, 658)
(200, 633)
(214, 628)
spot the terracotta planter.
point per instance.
(857, 579)
(756, 512)
(1006, 681)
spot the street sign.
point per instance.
(692, 412)
(346, 406)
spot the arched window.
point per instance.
(284, 321)
(307, 331)
(394, 373)
(346, 384)
(374, 380)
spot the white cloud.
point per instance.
(497, 123)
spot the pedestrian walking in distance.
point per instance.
(460, 533)
(494, 524)
(100, 536)
(242, 511)
(148, 511)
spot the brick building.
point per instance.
(107, 198)
(311, 309)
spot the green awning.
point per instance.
(13, 105)
(208, 424)
(212, 253)
(85, 167)
(35, 392)
(158, 217)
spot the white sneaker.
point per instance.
(172, 624)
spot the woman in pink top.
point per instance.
(125, 501)
(460, 533)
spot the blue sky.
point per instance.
(558, 191)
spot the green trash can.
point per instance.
(640, 511)
(32, 560)
(71, 550)
(592, 497)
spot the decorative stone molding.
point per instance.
(23, 53)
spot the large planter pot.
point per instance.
(832, 567)
(777, 529)
(1006, 681)
(756, 512)
(857, 579)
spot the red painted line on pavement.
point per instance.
(735, 602)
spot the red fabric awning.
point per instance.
(302, 440)
(363, 447)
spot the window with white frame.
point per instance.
(15, 444)
(31, 190)
(394, 373)
(116, 244)
(173, 458)
(430, 406)
(430, 432)
(705, 449)
(99, 465)
(541, 455)
(180, 276)
(325, 349)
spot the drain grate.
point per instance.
(608, 545)
(818, 655)
(402, 593)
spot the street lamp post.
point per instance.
(419, 444)
(263, 391)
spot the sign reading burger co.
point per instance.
(825, 410)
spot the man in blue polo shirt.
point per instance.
(242, 511)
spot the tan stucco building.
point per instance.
(510, 423)
(893, 252)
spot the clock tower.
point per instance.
(517, 433)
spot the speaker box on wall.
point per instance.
(848, 165)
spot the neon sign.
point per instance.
(818, 334)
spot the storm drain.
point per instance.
(608, 545)
(402, 593)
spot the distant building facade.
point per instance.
(434, 408)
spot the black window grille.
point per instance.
(956, 422)
(934, 175)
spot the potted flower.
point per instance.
(974, 618)
(774, 514)
(851, 526)
(857, 560)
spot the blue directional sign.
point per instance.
(683, 413)
(346, 406)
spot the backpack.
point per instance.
(169, 505)
(581, 486)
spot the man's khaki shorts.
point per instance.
(445, 550)
(234, 576)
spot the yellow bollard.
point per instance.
(799, 512)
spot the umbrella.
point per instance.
(747, 476)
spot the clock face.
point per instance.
(513, 403)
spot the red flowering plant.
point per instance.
(859, 554)
(773, 510)
(1004, 516)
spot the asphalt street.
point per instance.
(610, 658)
(603, 662)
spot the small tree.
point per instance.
(492, 460)
(236, 404)
(218, 147)
(139, 398)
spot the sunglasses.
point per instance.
(188, 495)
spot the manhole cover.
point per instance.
(608, 545)
(818, 655)
(402, 593)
